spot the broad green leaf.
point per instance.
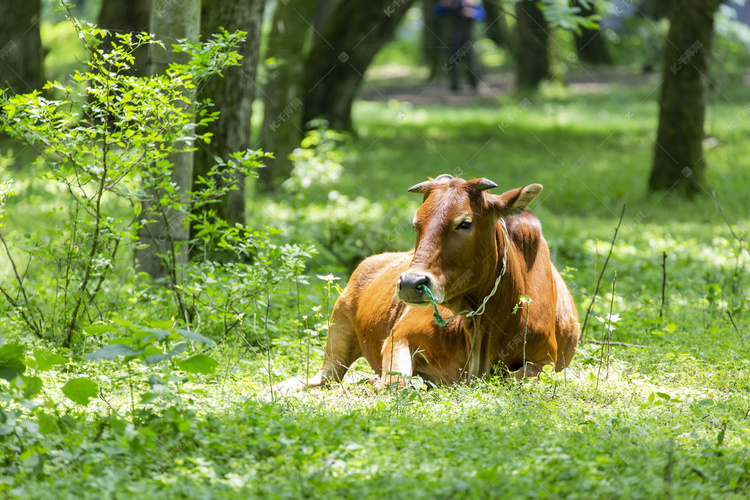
(200, 363)
(30, 385)
(11, 360)
(156, 358)
(124, 322)
(195, 337)
(44, 360)
(47, 423)
(80, 390)
(159, 333)
(164, 324)
(97, 329)
(111, 351)
(148, 397)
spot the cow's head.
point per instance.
(457, 247)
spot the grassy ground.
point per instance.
(666, 420)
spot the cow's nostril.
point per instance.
(415, 282)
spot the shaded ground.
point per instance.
(404, 85)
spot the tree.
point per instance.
(434, 46)
(282, 98)
(21, 58)
(130, 16)
(170, 21)
(533, 46)
(232, 97)
(591, 46)
(337, 62)
(497, 25)
(678, 153)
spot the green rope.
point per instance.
(436, 315)
(480, 310)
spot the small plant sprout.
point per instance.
(608, 328)
(523, 302)
(608, 320)
(329, 279)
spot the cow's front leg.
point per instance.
(529, 370)
(397, 364)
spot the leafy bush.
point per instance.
(108, 141)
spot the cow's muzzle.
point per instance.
(411, 289)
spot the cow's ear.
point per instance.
(516, 200)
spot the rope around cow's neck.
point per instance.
(479, 310)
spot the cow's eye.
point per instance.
(464, 225)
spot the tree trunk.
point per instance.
(170, 21)
(232, 96)
(130, 16)
(21, 57)
(533, 48)
(339, 58)
(323, 12)
(497, 24)
(591, 46)
(282, 96)
(434, 44)
(678, 153)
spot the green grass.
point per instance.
(667, 420)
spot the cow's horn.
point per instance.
(421, 187)
(444, 177)
(484, 185)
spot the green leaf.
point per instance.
(111, 351)
(165, 324)
(11, 360)
(45, 360)
(720, 436)
(195, 337)
(97, 329)
(200, 363)
(31, 385)
(156, 358)
(80, 390)
(47, 423)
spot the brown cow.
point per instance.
(477, 254)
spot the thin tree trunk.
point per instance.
(170, 21)
(591, 46)
(533, 51)
(232, 96)
(339, 58)
(21, 56)
(282, 96)
(130, 16)
(678, 153)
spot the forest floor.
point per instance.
(667, 420)
(405, 84)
